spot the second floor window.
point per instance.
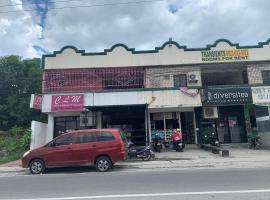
(266, 76)
(180, 80)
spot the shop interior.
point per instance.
(164, 123)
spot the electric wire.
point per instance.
(86, 6)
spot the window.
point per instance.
(104, 136)
(180, 80)
(85, 138)
(266, 76)
(63, 140)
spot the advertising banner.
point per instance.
(70, 102)
(225, 55)
(36, 101)
(226, 96)
(261, 95)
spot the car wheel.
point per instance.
(37, 166)
(103, 164)
(146, 156)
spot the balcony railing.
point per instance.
(92, 79)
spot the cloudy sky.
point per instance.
(30, 28)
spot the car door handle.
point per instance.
(94, 145)
(69, 148)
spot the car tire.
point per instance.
(37, 166)
(103, 164)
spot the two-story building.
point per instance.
(145, 92)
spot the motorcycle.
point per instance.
(157, 144)
(178, 145)
(214, 140)
(254, 142)
(211, 138)
(144, 153)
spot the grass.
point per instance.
(10, 158)
(11, 147)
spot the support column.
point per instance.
(99, 119)
(50, 128)
(164, 123)
(147, 135)
(179, 119)
(195, 128)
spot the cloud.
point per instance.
(141, 26)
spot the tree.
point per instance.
(18, 80)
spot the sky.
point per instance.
(31, 28)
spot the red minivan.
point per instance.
(98, 147)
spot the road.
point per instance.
(188, 184)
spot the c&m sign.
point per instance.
(225, 55)
(72, 102)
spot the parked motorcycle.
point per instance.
(178, 145)
(254, 142)
(157, 146)
(211, 138)
(144, 153)
(214, 139)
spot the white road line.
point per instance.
(154, 195)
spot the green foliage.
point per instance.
(14, 143)
(18, 80)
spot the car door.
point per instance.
(107, 143)
(85, 148)
(60, 151)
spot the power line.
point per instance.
(88, 6)
(30, 3)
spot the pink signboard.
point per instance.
(69, 102)
(36, 101)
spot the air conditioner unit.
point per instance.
(193, 78)
(88, 119)
(210, 112)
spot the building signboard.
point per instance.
(70, 102)
(36, 101)
(225, 55)
(261, 95)
(226, 96)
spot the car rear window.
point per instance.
(105, 136)
(85, 138)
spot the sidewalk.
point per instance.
(191, 157)
(195, 157)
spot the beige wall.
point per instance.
(120, 57)
(254, 72)
(160, 77)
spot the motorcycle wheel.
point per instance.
(146, 156)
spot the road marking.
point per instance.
(155, 194)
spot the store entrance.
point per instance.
(131, 119)
(164, 123)
(187, 127)
(231, 125)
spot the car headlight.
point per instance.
(26, 153)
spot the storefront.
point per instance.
(228, 112)
(261, 99)
(174, 109)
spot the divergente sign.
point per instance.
(226, 96)
(73, 102)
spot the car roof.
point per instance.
(94, 130)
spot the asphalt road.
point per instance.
(188, 184)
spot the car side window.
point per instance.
(85, 138)
(105, 136)
(63, 140)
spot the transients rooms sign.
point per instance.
(225, 55)
(226, 96)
